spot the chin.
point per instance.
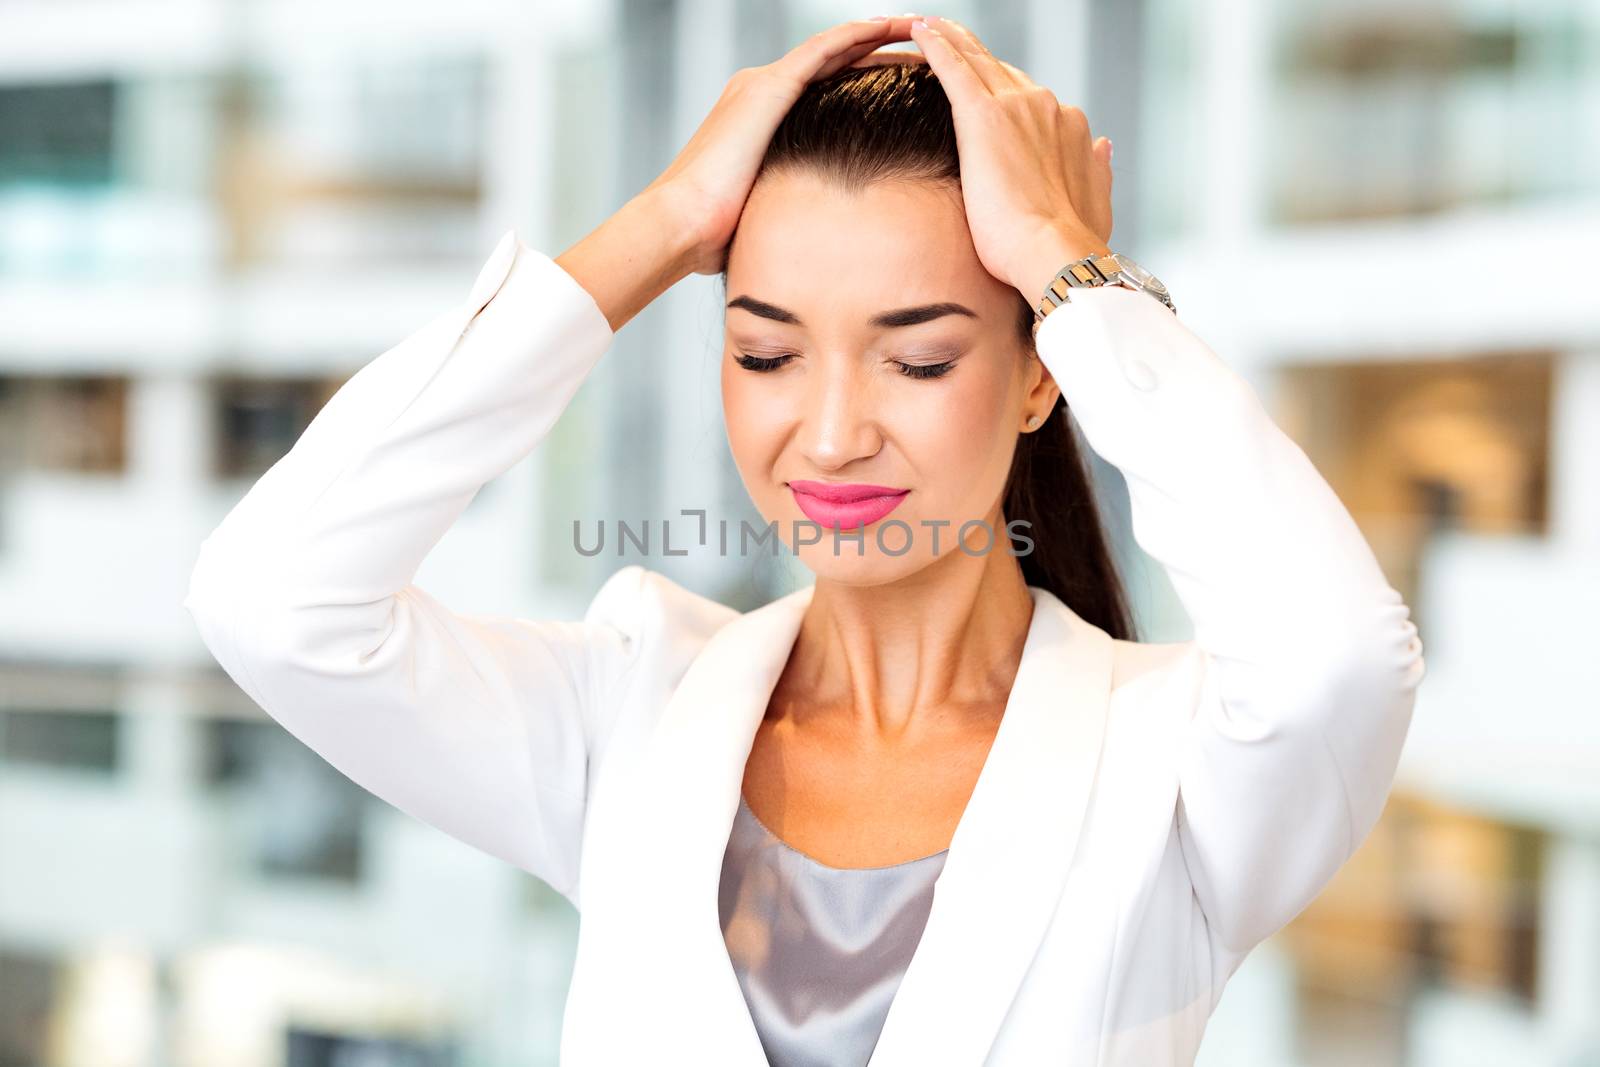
(865, 566)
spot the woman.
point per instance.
(940, 807)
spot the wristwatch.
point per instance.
(1111, 269)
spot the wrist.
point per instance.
(1059, 245)
(672, 225)
(631, 258)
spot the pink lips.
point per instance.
(845, 505)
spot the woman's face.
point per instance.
(853, 302)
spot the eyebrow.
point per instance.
(909, 316)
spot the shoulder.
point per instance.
(657, 616)
(1138, 661)
(653, 629)
(1157, 681)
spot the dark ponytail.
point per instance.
(865, 124)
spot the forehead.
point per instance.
(805, 243)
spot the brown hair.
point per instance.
(893, 121)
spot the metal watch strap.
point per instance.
(1086, 273)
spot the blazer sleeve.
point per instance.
(1308, 661)
(478, 725)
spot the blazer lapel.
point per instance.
(686, 800)
(1011, 851)
(1002, 877)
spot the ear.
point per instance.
(1041, 390)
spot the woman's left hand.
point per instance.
(1037, 188)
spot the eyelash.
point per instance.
(921, 372)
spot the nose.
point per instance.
(839, 423)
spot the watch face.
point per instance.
(1139, 274)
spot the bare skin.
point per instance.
(889, 703)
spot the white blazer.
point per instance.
(1147, 813)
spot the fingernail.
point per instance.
(879, 18)
(920, 25)
(1110, 149)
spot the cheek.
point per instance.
(755, 420)
(959, 437)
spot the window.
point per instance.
(75, 740)
(1436, 899)
(57, 133)
(1416, 447)
(260, 420)
(1384, 110)
(315, 1048)
(63, 424)
(300, 816)
(28, 984)
(373, 159)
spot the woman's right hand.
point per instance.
(710, 179)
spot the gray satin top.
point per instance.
(819, 950)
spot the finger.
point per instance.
(854, 55)
(960, 81)
(1076, 124)
(1079, 153)
(848, 58)
(996, 77)
(1101, 178)
(822, 52)
(884, 55)
(1018, 76)
(851, 56)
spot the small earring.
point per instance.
(1033, 420)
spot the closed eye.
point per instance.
(760, 363)
(922, 371)
(926, 370)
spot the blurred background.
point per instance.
(212, 212)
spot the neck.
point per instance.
(890, 661)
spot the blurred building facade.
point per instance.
(212, 212)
